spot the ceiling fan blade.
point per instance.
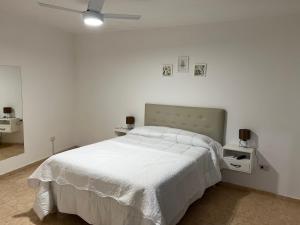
(95, 5)
(58, 7)
(121, 16)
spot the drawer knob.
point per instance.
(235, 165)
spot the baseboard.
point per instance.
(243, 188)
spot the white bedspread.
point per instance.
(156, 175)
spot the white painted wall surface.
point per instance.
(46, 58)
(253, 73)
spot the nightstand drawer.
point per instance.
(237, 165)
(5, 128)
(121, 131)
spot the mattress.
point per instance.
(150, 176)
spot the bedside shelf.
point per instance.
(230, 161)
(10, 125)
(120, 131)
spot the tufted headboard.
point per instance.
(207, 121)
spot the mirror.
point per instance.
(11, 112)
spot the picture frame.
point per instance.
(167, 70)
(200, 70)
(183, 64)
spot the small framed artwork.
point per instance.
(200, 69)
(183, 64)
(167, 70)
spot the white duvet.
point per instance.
(155, 172)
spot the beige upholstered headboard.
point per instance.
(207, 121)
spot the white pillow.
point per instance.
(182, 137)
(173, 134)
(149, 131)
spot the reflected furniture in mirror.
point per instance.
(11, 112)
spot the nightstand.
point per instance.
(120, 131)
(231, 162)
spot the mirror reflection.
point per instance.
(11, 112)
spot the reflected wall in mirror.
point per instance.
(11, 112)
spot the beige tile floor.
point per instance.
(10, 150)
(221, 205)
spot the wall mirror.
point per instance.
(11, 112)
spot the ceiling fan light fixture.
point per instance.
(92, 19)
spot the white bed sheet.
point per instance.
(130, 180)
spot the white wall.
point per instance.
(46, 58)
(253, 73)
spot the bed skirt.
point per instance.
(89, 206)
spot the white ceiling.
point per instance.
(155, 13)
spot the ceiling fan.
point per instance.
(93, 15)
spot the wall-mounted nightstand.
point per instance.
(10, 125)
(120, 131)
(238, 158)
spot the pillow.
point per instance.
(182, 137)
(173, 134)
(149, 131)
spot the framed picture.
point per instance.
(167, 70)
(183, 64)
(200, 69)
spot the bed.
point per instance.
(148, 177)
